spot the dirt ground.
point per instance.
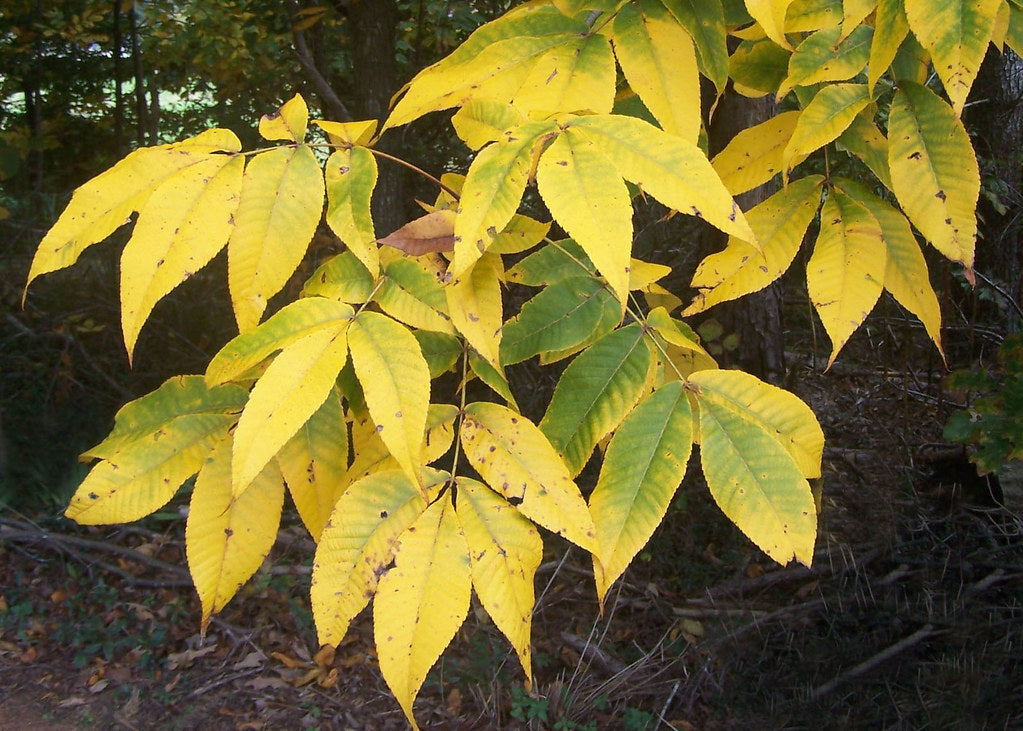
(910, 616)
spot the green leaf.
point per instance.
(181, 228)
(754, 156)
(705, 23)
(281, 203)
(956, 34)
(288, 325)
(658, 59)
(845, 274)
(495, 379)
(396, 380)
(550, 264)
(504, 552)
(758, 67)
(830, 113)
(561, 316)
(350, 176)
(906, 272)
(357, 545)
(752, 476)
(643, 466)
(159, 441)
(422, 601)
(227, 536)
(105, 203)
(515, 458)
(934, 171)
(780, 223)
(822, 57)
(595, 393)
(491, 193)
(411, 295)
(670, 169)
(441, 351)
(314, 463)
(293, 387)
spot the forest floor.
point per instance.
(911, 615)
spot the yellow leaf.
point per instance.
(422, 601)
(956, 34)
(514, 457)
(504, 553)
(890, 29)
(934, 171)
(906, 273)
(396, 381)
(643, 466)
(752, 475)
(659, 61)
(228, 536)
(705, 23)
(855, 11)
(481, 121)
(287, 123)
(474, 304)
(314, 463)
(158, 442)
(846, 271)
(810, 15)
(281, 203)
(832, 110)
(348, 134)
(780, 223)
(285, 397)
(822, 57)
(771, 16)
(357, 545)
(350, 176)
(754, 156)
(103, 204)
(577, 75)
(683, 346)
(673, 171)
(591, 205)
(181, 228)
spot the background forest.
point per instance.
(909, 614)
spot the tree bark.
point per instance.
(756, 318)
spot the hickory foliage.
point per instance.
(418, 499)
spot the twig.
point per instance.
(905, 643)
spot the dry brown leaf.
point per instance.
(431, 233)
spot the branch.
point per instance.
(336, 107)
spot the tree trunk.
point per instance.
(141, 108)
(756, 318)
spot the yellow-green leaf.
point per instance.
(771, 16)
(754, 156)
(228, 536)
(595, 393)
(758, 68)
(705, 23)
(291, 323)
(592, 205)
(854, 13)
(846, 272)
(934, 171)
(422, 601)
(1014, 33)
(956, 34)
(810, 15)
(890, 29)
(284, 398)
(504, 553)
(413, 296)
(491, 193)
(342, 277)
(482, 121)
(515, 458)
(181, 228)
(682, 344)
(396, 380)
(780, 223)
(673, 171)
(864, 140)
(659, 61)
(906, 272)
(643, 466)
(281, 203)
(314, 463)
(102, 205)
(752, 476)
(823, 57)
(357, 545)
(158, 442)
(832, 110)
(351, 175)
(287, 123)
(474, 305)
